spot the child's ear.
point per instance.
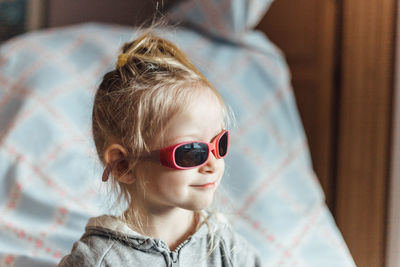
(115, 155)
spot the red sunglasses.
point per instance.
(186, 155)
(190, 155)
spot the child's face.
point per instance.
(191, 189)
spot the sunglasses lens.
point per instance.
(223, 145)
(191, 155)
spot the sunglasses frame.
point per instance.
(167, 154)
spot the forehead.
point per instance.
(205, 94)
(195, 97)
(203, 103)
(201, 116)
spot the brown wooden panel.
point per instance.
(305, 31)
(285, 24)
(364, 127)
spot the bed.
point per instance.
(50, 175)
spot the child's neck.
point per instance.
(173, 226)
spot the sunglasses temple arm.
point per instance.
(106, 173)
(108, 169)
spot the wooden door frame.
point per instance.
(393, 233)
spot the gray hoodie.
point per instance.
(109, 242)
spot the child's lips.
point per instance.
(206, 185)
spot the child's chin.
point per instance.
(200, 205)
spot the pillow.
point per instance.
(228, 19)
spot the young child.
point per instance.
(160, 130)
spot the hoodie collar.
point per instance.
(113, 226)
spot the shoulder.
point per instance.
(236, 247)
(90, 250)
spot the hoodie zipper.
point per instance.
(173, 255)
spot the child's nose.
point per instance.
(211, 164)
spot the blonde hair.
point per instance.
(153, 80)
